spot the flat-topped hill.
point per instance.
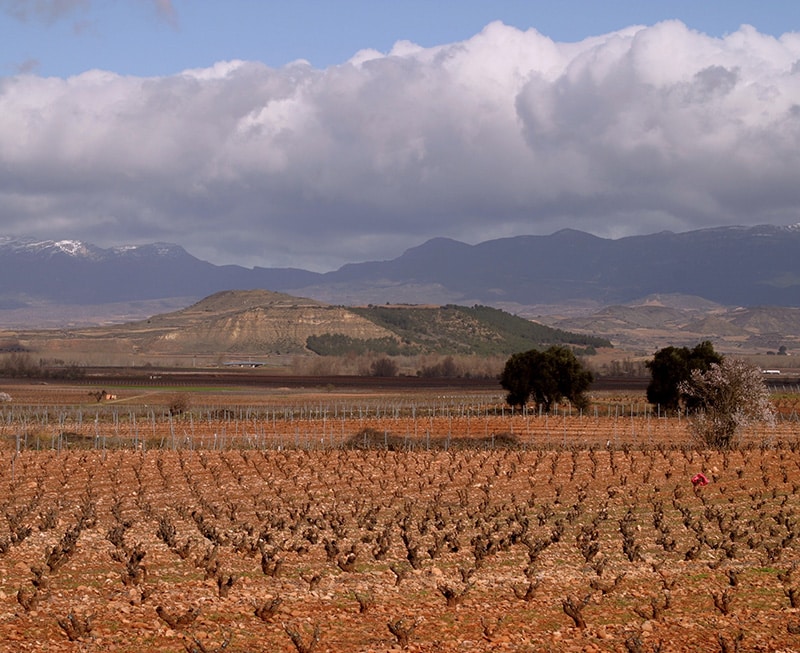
(264, 323)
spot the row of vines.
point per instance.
(483, 421)
(471, 549)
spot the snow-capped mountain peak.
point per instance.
(47, 247)
(80, 250)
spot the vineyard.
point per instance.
(218, 520)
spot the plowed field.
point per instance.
(335, 521)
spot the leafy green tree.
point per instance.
(547, 376)
(672, 366)
(731, 396)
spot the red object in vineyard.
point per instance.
(699, 480)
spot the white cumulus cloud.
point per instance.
(508, 132)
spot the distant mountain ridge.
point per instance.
(72, 272)
(733, 266)
(728, 265)
(666, 321)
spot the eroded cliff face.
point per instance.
(255, 322)
(272, 330)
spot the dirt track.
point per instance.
(249, 378)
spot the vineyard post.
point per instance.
(153, 424)
(449, 432)
(14, 460)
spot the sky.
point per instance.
(313, 133)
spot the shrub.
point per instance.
(445, 369)
(178, 403)
(731, 396)
(383, 366)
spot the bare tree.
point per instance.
(178, 403)
(732, 395)
(383, 366)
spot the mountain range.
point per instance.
(526, 275)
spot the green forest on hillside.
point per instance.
(450, 329)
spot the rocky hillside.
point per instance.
(664, 320)
(229, 323)
(264, 324)
(250, 321)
